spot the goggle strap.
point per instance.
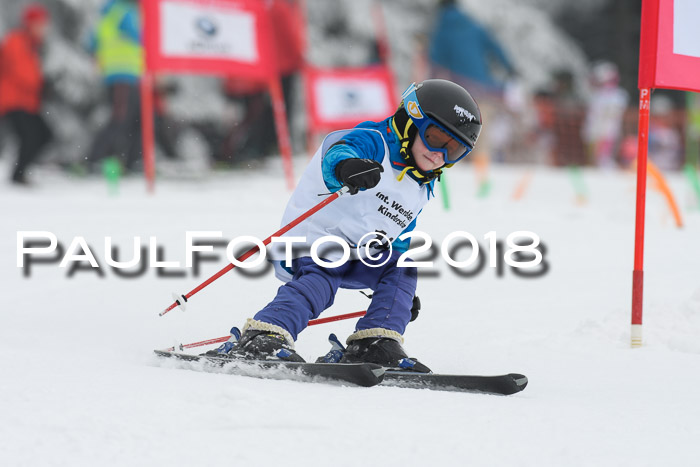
(403, 138)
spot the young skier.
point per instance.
(390, 168)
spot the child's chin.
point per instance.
(428, 167)
(425, 165)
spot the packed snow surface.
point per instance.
(81, 386)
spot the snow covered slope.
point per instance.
(79, 384)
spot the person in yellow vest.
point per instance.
(117, 47)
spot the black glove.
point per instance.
(358, 173)
(415, 309)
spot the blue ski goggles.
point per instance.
(434, 135)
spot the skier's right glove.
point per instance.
(358, 174)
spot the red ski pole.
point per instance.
(330, 319)
(218, 340)
(182, 299)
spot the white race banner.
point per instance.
(341, 98)
(686, 34)
(209, 32)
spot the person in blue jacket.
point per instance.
(390, 168)
(464, 48)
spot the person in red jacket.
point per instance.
(21, 83)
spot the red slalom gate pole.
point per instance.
(182, 299)
(149, 158)
(638, 273)
(280, 115)
(218, 340)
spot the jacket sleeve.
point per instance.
(362, 144)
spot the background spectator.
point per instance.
(602, 128)
(463, 49)
(21, 84)
(117, 47)
(665, 142)
(569, 110)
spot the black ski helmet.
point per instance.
(442, 104)
(451, 105)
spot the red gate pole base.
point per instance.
(636, 336)
(637, 296)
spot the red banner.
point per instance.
(225, 37)
(342, 98)
(208, 36)
(669, 55)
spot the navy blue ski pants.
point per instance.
(313, 289)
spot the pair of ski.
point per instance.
(360, 374)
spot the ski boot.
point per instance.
(271, 343)
(380, 347)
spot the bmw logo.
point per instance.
(206, 26)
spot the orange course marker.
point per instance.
(661, 185)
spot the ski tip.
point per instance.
(374, 374)
(520, 380)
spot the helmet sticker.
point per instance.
(414, 110)
(464, 113)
